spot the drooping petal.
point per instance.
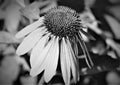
(29, 42)
(74, 46)
(52, 64)
(67, 60)
(85, 51)
(37, 50)
(87, 34)
(73, 62)
(65, 64)
(41, 63)
(29, 28)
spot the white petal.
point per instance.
(65, 64)
(29, 42)
(73, 62)
(42, 61)
(37, 50)
(52, 65)
(30, 28)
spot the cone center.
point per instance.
(62, 21)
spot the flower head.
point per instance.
(62, 22)
(54, 35)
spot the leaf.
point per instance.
(114, 24)
(101, 63)
(9, 70)
(31, 11)
(6, 37)
(12, 17)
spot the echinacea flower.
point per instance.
(55, 35)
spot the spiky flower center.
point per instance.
(62, 21)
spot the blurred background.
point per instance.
(102, 17)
